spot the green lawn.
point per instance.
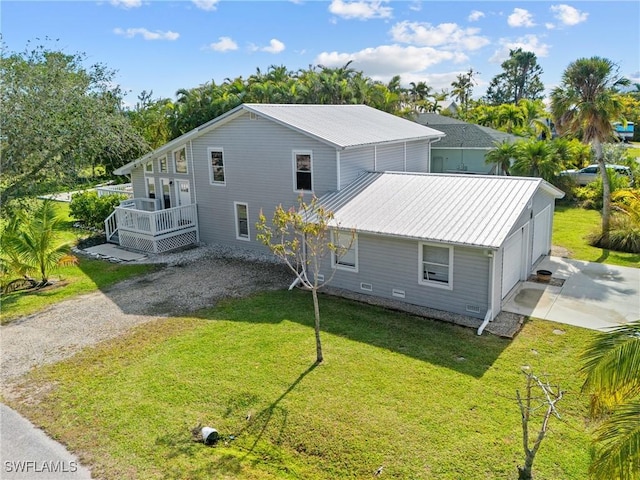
(571, 225)
(423, 398)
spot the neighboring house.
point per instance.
(457, 243)
(465, 146)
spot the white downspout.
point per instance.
(489, 316)
(338, 169)
(193, 173)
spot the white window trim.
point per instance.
(237, 222)
(186, 160)
(224, 167)
(431, 283)
(150, 162)
(334, 260)
(166, 162)
(295, 169)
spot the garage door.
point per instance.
(511, 262)
(541, 226)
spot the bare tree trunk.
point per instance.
(606, 193)
(316, 311)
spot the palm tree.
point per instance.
(535, 159)
(584, 105)
(612, 368)
(502, 155)
(30, 243)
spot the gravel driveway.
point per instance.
(188, 281)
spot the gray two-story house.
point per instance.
(457, 243)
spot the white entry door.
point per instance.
(511, 262)
(183, 192)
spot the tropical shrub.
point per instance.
(590, 196)
(92, 210)
(31, 247)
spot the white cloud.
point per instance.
(146, 34)
(208, 5)
(475, 15)
(446, 35)
(528, 43)
(275, 46)
(569, 15)
(224, 44)
(520, 18)
(416, 5)
(126, 3)
(383, 62)
(362, 9)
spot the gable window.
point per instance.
(242, 220)
(151, 187)
(436, 265)
(163, 164)
(302, 165)
(346, 255)
(216, 166)
(180, 160)
(148, 167)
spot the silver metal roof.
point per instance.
(472, 210)
(344, 126)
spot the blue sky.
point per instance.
(167, 45)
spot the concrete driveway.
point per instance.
(584, 294)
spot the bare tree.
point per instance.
(529, 404)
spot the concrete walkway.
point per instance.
(27, 452)
(584, 294)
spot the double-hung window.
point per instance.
(180, 160)
(216, 166)
(302, 163)
(345, 255)
(436, 265)
(242, 220)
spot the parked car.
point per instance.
(592, 172)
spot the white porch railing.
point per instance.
(136, 224)
(124, 189)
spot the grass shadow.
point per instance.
(433, 341)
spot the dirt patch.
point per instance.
(60, 331)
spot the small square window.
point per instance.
(346, 255)
(180, 160)
(303, 167)
(436, 265)
(148, 167)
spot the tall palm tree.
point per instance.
(612, 368)
(584, 105)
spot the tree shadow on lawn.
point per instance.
(433, 341)
(254, 429)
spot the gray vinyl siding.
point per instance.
(354, 162)
(388, 263)
(390, 158)
(139, 183)
(258, 167)
(418, 156)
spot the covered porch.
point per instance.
(141, 224)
